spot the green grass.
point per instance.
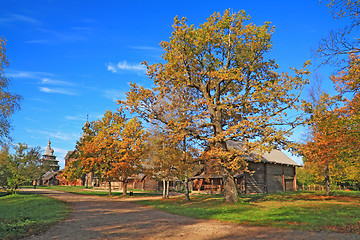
(27, 214)
(302, 211)
(104, 193)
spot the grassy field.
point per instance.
(27, 214)
(299, 210)
(91, 191)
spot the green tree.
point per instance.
(9, 102)
(231, 91)
(304, 178)
(23, 166)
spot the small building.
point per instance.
(51, 165)
(272, 172)
(49, 159)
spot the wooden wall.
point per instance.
(267, 178)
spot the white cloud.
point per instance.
(111, 68)
(57, 90)
(136, 67)
(55, 82)
(19, 18)
(114, 94)
(54, 134)
(76, 118)
(53, 37)
(45, 78)
(60, 150)
(28, 74)
(125, 66)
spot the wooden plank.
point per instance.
(265, 178)
(283, 178)
(294, 181)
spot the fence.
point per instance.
(320, 188)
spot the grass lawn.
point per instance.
(91, 191)
(298, 210)
(27, 214)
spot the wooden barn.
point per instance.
(274, 172)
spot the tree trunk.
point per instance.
(86, 180)
(109, 188)
(327, 181)
(167, 188)
(164, 188)
(187, 195)
(230, 191)
(124, 190)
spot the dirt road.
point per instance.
(112, 218)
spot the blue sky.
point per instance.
(70, 59)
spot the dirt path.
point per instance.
(111, 218)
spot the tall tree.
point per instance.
(162, 157)
(321, 152)
(116, 150)
(22, 166)
(348, 86)
(9, 102)
(231, 91)
(333, 152)
(74, 169)
(171, 156)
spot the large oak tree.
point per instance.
(231, 90)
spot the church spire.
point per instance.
(49, 151)
(85, 129)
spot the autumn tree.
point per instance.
(347, 83)
(9, 102)
(74, 169)
(333, 151)
(321, 152)
(24, 165)
(231, 90)
(171, 156)
(174, 150)
(162, 157)
(116, 150)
